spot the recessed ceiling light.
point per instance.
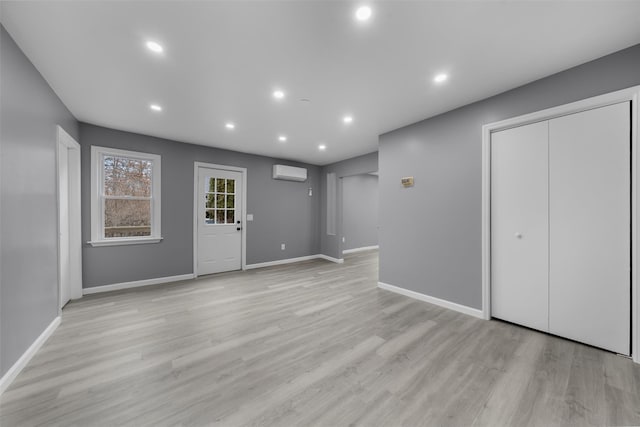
(322, 147)
(154, 46)
(282, 138)
(363, 13)
(278, 94)
(155, 107)
(347, 119)
(440, 78)
(230, 125)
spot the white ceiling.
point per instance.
(223, 59)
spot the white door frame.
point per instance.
(630, 94)
(72, 151)
(243, 213)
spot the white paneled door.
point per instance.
(589, 202)
(219, 223)
(520, 225)
(561, 226)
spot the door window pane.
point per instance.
(220, 185)
(220, 216)
(209, 216)
(230, 201)
(220, 201)
(209, 201)
(230, 216)
(212, 185)
(231, 185)
(127, 218)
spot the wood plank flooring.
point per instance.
(313, 343)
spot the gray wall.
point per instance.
(29, 113)
(331, 245)
(359, 211)
(434, 247)
(283, 211)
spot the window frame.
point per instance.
(97, 197)
(225, 195)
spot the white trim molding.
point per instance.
(292, 260)
(136, 284)
(243, 214)
(70, 148)
(432, 300)
(98, 197)
(168, 279)
(125, 241)
(17, 367)
(281, 262)
(631, 94)
(330, 258)
(362, 249)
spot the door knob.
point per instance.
(239, 228)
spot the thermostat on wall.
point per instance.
(407, 181)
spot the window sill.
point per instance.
(130, 241)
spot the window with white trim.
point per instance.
(125, 197)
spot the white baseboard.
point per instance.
(433, 300)
(280, 262)
(292, 260)
(362, 249)
(329, 258)
(136, 284)
(159, 280)
(17, 367)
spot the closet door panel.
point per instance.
(589, 205)
(519, 225)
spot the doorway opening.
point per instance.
(69, 218)
(359, 212)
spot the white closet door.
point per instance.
(589, 205)
(520, 225)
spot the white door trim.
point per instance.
(75, 214)
(243, 213)
(630, 94)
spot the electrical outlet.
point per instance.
(282, 246)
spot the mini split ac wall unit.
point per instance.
(289, 173)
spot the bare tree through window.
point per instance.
(127, 196)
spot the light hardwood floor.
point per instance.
(314, 343)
